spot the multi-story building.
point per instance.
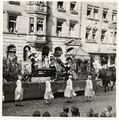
(24, 28)
(48, 27)
(99, 30)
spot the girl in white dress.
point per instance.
(69, 92)
(18, 92)
(48, 91)
(89, 88)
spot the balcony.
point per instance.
(36, 9)
(33, 38)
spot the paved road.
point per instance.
(101, 99)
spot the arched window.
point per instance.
(26, 52)
(58, 52)
(11, 51)
(45, 52)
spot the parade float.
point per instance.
(35, 73)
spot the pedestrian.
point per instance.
(36, 114)
(46, 114)
(69, 92)
(75, 112)
(108, 111)
(89, 93)
(66, 110)
(18, 92)
(48, 91)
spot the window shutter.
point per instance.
(23, 24)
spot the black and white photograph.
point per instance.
(59, 59)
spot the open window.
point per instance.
(114, 16)
(12, 23)
(26, 53)
(88, 33)
(11, 51)
(58, 52)
(61, 6)
(59, 28)
(103, 34)
(73, 7)
(40, 25)
(89, 11)
(94, 33)
(105, 12)
(31, 24)
(95, 12)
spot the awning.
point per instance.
(78, 53)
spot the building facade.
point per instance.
(99, 30)
(48, 27)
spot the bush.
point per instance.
(11, 69)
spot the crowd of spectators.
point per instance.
(74, 112)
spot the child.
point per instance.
(69, 92)
(89, 89)
(18, 92)
(46, 114)
(108, 111)
(75, 112)
(66, 110)
(36, 114)
(48, 92)
(90, 113)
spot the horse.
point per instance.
(108, 76)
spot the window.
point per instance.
(40, 25)
(88, 33)
(103, 59)
(73, 7)
(14, 2)
(60, 6)
(103, 34)
(12, 24)
(105, 12)
(72, 29)
(58, 52)
(115, 36)
(114, 16)
(59, 28)
(94, 33)
(26, 53)
(11, 51)
(31, 24)
(89, 9)
(95, 13)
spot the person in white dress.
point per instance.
(69, 92)
(18, 92)
(89, 89)
(48, 91)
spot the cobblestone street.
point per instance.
(101, 100)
